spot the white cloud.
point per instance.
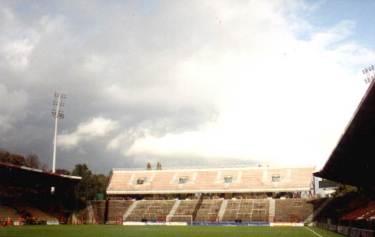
(124, 140)
(17, 53)
(94, 128)
(17, 43)
(334, 35)
(281, 100)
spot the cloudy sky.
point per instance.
(187, 83)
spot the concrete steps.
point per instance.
(130, 209)
(223, 206)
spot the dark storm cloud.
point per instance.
(113, 61)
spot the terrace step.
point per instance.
(130, 209)
(271, 210)
(222, 210)
(311, 217)
(174, 208)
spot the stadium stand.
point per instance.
(353, 210)
(116, 210)
(260, 211)
(37, 215)
(201, 195)
(366, 212)
(208, 210)
(6, 212)
(151, 211)
(223, 180)
(196, 196)
(26, 195)
(352, 163)
(22, 176)
(292, 210)
(185, 209)
(247, 210)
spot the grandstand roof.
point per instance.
(27, 177)
(220, 180)
(352, 161)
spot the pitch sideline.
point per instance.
(314, 232)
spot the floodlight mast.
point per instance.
(369, 73)
(57, 113)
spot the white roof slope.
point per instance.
(220, 180)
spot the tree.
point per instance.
(16, 159)
(10, 158)
(90, 184)
(158, 166)
(81, 170)
(32, 161)
(100, 183)
(3, 155)
(148, 167)
(82, 189)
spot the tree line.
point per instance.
(31, 160)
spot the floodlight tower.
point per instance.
(369, 73)
(57, 113)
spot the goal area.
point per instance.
(180, 218)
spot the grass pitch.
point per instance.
(160, 231)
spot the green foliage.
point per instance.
(10, 158)
(81, 170)
(32, 161)
(90, 185)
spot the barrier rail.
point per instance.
(347, 230)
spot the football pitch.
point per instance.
(161, 231)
